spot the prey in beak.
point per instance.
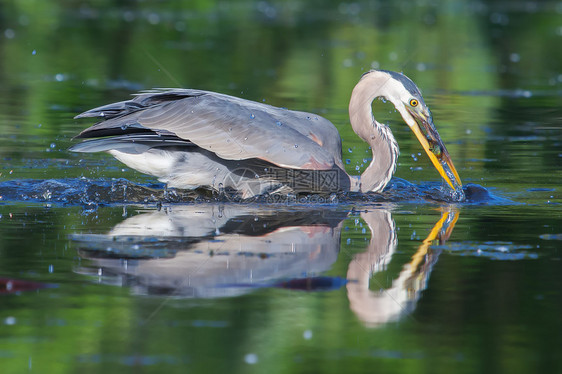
(431, 142)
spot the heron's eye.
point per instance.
(414, 103)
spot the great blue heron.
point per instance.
(191, 138)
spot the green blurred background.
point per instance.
(491, 72)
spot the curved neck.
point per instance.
(378, 136)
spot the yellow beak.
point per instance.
(431, 142)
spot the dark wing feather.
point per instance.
(130, 143)
(232, 128)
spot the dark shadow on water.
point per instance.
(101, 192)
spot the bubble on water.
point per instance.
(153, 18)
(499, 19)
(514, 57)
(128, 16)
(9, 33)
(251, 358)
(179, 26)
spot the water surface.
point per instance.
(102, 268)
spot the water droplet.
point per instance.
(153, 19)
(53, 145)
(296, 145)
(246, 138)
(278, 123)
(357, 168)
(252, 116)
(124, 127)
(348, 161)
(34, 52)
(350, 150)
(9, 33)
(251, 358)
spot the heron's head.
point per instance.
(407, 98)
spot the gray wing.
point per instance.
(230, 127)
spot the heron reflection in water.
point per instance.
(209, 251)
(190, 138)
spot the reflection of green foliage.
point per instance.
(64, 57)
(83, 326)
(305, 56)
